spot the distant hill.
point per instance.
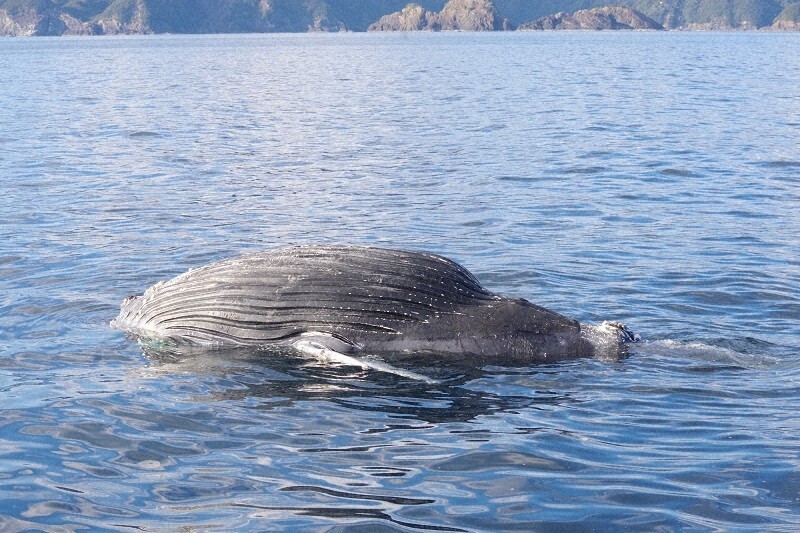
(59, 17)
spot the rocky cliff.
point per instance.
(470, 15)
(456, 15)
(413, 17)
(601, 18)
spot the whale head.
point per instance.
(608, 339)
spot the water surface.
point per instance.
(646, 177)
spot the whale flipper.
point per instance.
(330, 349)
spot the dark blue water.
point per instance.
(646, 177)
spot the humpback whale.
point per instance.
(352, 303)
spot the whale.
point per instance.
(358, 305)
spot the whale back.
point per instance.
(278, 294)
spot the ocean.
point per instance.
(646, 177)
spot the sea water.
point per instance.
(651, 178)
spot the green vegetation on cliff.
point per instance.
(791, 13)
(788, 19)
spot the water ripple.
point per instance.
(652, 181)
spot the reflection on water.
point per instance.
(647, 178)
(293, 378)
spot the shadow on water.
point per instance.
(283, 377)
(464, 389)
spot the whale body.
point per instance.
(348, 300)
